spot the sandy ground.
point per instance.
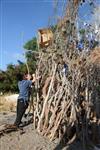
(29, 140)
(11, 98)
(8, 102)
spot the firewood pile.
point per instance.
(68, 94)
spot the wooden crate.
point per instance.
(45, 37)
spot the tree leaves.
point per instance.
(31, 44)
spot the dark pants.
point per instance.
(21, 108)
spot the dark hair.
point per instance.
(19, 77)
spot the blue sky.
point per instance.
(19, 22)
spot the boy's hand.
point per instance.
(36, 78)
(33, 75)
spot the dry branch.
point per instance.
(68, 99)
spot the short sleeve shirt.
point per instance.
(24, 89)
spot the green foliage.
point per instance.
(8, 78)
(31, 60)
(31, 44)
(30, 55)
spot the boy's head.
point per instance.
(19, 77)
(25, 76)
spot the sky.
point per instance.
(19, 22)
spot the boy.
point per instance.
(24, 85)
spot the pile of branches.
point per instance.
(68, 95)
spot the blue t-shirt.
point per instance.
(24, 89)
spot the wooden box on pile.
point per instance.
(45, 37)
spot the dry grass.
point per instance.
(6, 105)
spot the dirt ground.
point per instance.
(30, 139)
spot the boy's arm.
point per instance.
(34, 78)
